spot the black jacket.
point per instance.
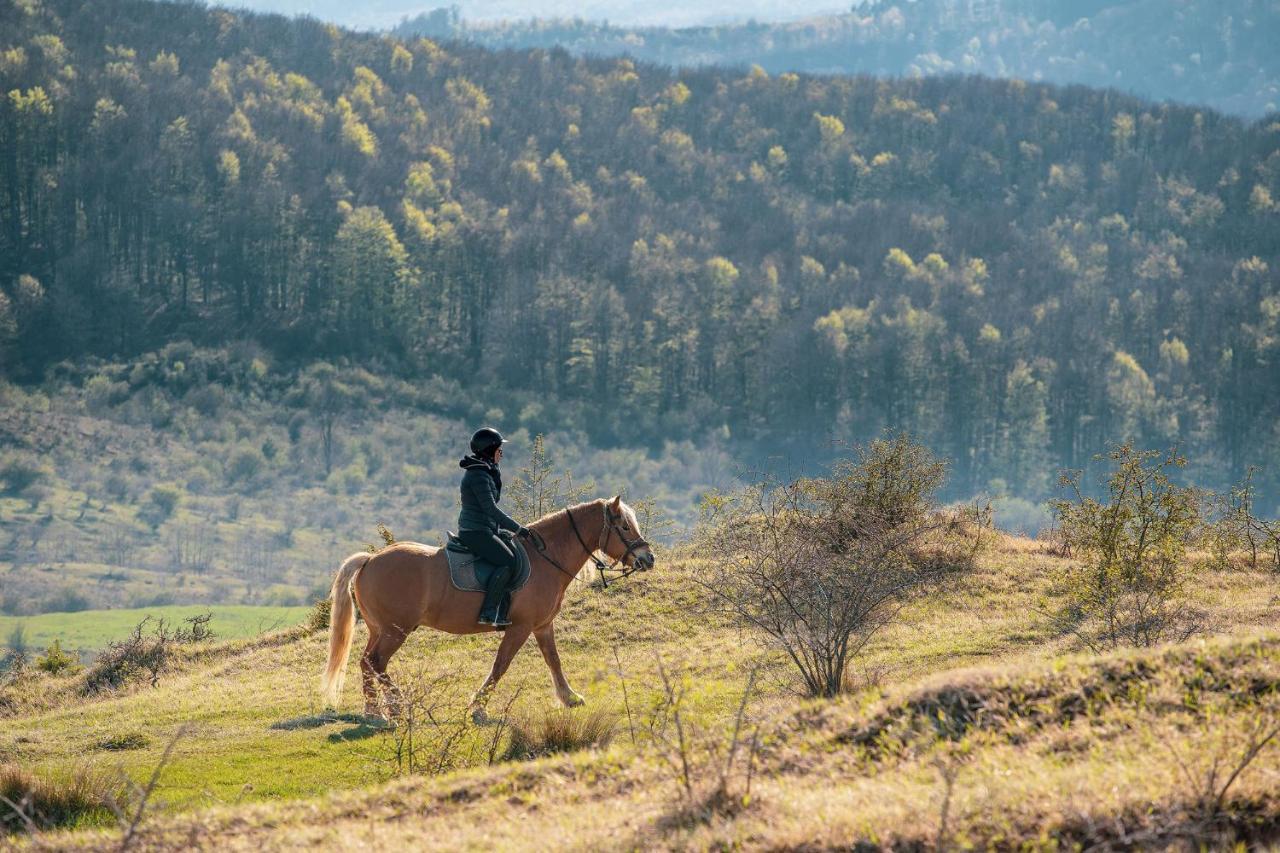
(481, 491)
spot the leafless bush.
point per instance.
(433, 733)
(820, 565)
(1127, 583)
(145, 654)
(1233, 526)
(712, 768)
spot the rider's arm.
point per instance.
(482, 488)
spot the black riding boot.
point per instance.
(494, 597)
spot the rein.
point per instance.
(610, 527)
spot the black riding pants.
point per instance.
(491, 548)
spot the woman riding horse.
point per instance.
(480, 520)
(407, 586)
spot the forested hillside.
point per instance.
(1017, 273)
(1216, 52)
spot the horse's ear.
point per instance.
(615, 505)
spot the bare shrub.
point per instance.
(712, 768)
(1234, 527)
(820, 565)
(145, 654)
(1127, 584)
(433, 731)
(560, 730)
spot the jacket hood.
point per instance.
(473, 461)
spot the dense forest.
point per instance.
(1221, 53)
(1017, 273)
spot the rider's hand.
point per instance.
(523, 532)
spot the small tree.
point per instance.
(326, 398)
(1126, 584)
(819, 566)
(55, 661)
(1235, 527)
(21, 474)
(537, 490)
(162, 500)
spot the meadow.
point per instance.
(91, 630)
(973, 685)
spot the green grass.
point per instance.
(93, 629)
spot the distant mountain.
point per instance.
(1223, 53)
(380, 14)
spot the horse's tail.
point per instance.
(342, 623)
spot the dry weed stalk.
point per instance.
(713, 773)
(1210, 780)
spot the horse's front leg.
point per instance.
(546, 637)
(511, 642)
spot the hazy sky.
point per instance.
(379, 14)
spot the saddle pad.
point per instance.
(471, 574)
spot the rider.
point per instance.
(481, 519)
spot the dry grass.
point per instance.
(45, 801)
(560, 730)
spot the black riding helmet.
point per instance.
(485, 439)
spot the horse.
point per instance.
(406, 586)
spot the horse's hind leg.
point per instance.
(389, 641)
(369, 674)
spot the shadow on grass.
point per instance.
(364, 726)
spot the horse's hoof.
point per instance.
(480, 717)
(574, 700)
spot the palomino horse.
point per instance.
(407, 586)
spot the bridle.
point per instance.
(606, 533)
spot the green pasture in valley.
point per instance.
(93, 629)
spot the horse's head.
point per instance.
(622, 538)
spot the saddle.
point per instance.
(471, 574)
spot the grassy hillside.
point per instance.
(89, 630)
(972, 681)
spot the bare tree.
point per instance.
(820, 565)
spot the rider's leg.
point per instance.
(488, 547)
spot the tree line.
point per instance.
(1213, 52)
(1018, 274)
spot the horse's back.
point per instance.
(399, 582)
